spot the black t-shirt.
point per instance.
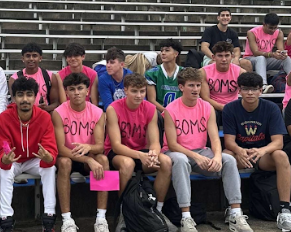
(253, 129)
(212, 35)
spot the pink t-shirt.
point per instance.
(265, 42)
(79, 126)
(222, 85)
(89, 72)
(38, 77)
(190, 122)
(287, 95)
(132, 124)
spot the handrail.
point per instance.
(151, 4)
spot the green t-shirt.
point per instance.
(167, 89)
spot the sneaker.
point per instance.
(227, 214)
(171, 226)
(268, 88)
(7, 224)
(238, 223)
(284, 220)
(188, 225)
(101, 225)
(121, 227)
(48, 222)
(69, 226)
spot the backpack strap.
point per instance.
(19, 73)
(138, 176)
(48, 83)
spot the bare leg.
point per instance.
(246, 65)
(278, 161)
(102, 197)
(125, 165)
(163, 178)
(63, 182)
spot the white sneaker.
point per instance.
(227, 214)
(268, 88)
(238, 223)
(188, 225)
(101, 225)
(69, 226)
(284, 220)
(121, 227)
(171, 226)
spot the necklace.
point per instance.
(117, 84)
(23, 124)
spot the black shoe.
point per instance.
(7, 224)
(48, 222)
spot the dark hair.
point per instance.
(189, 74)
(223, 9)
(250, 79)
(23, 83)
(271, 19)
(134, 80)
(115, 53)
(74, 49)
(176, 45)
(31, 47)
(76, 79)
(222, 46)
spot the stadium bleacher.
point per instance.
(130, 25)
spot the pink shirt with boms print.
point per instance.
(190, 123)
(79, 126)
(222, 85)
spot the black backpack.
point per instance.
(173, 212)
(194, 59)
(264, 198)
(139, 206)
(47, 81)
(278, 81)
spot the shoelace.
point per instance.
(102, 226)
(243, 219)
(190, 222)
(48, 226)
(286, 216)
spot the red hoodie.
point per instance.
(26, 138)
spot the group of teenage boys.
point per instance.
(73, 137)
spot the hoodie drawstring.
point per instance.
(27, 124)
(21, 137)
(27, 147)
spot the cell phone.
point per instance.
(284, 52)
(6, 147)
(41, 101)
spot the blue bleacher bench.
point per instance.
(76, 177)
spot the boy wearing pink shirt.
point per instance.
(75, 55)
(259, 49)
(188, 119)
(47, 97)
(219, 84)
(79, 131)
(132, 142)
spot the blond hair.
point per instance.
(137, 63)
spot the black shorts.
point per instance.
(138, 163)
(79, 167)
